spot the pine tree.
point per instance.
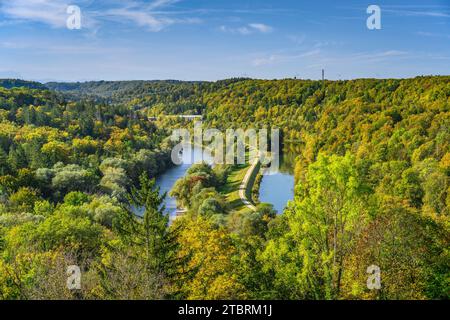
(4, 168)
(151, 237)
(17, 158)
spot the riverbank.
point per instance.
(231, 188)
(239, 186)
(276, 189)
(246, 188)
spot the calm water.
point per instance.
(167, 180)
(278, 189)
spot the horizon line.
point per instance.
(224, 79)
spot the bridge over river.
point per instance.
(190, 117)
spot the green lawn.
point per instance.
(231, 189)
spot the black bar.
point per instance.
(220, 309)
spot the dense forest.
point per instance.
(372, 188)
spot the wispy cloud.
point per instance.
(161, 3)
(138, 17)
(47, 48)
(277, 58)
(316, 57)
(248, 29)
(371, 57)
(53, 13)
(263, 28)
(424, 10)
(266, 60)
(12, 45)
(389, 53)
(431, 11)
(149, 15)
(298, 40)
(433, 35)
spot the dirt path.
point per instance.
(244, 185)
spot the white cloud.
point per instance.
(161, 3)
(391, 53)
(379, 56)
(264, 61)
(145, 14)
(263, 28)
(53, 12)
(432, 35)
(12, 45)
(248, 29)
(141, 18)
(298, 40)
(421, 13)
(276, 58)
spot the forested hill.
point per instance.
(176, 96)
(288, 92)
(17, 83)
(373, 188)
(295, 106)
(123, 91)
(109, 88)
(387, 118)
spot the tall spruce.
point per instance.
(144, 226)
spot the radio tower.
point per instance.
(323, 74)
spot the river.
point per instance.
(167, 180)
(278, 189)
(275, 189)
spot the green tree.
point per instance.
(150, 236)
(330, 208)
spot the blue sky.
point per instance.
(217, 39)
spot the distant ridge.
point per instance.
(17, 83)
(106, 89)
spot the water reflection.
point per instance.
(167, 180)
(278, 189)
